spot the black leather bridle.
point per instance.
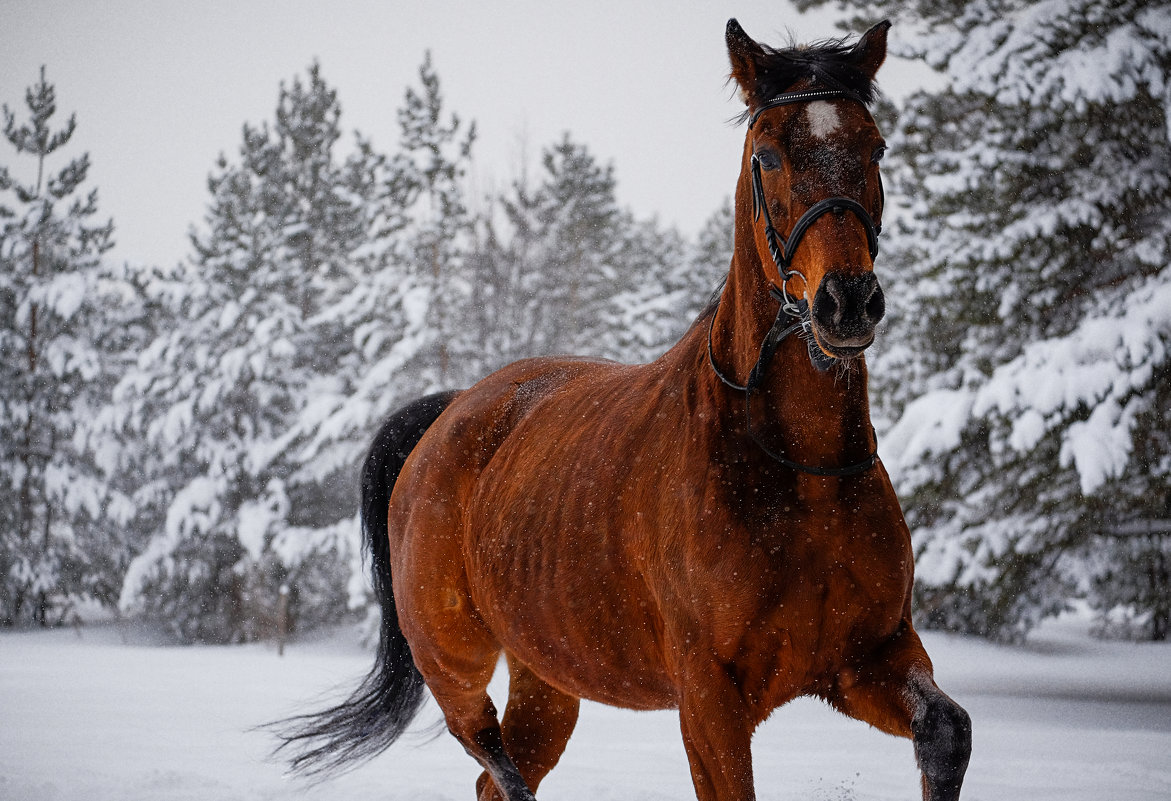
(782, 251)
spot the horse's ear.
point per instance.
(744, 53)
(870, 51)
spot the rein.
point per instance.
(782, 252)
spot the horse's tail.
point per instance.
(383, 706)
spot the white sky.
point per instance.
(161, 88)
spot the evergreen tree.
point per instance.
(509, 264)
(642, 317)
(644, 284)
(220, 394)
(670, 282)
(1031, 313)
(497, 315)
(563, 252)
(410, 319)
(53, 363)
(434, 157)
(709, 261)
(582, 232)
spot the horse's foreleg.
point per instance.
(538, 721)
(717, 733)
(894, 690)
(942, 732)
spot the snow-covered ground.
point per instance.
(99, 714)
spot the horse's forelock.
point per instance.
(827, 62)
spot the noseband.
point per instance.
(782, 251)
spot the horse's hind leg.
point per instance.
(457, 656)
(471, 717)
(894, 691)
(538, 721)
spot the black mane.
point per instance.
(829, 63)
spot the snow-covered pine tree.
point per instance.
(408, 312)
(646, 313)
(399, 321)
(710, 257)
(428, 179)
(54, 547)
(649, 282)
(1031, 313)
(565, 243)
(507, 273)
(221, 392)
(668, 282)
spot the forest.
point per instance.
(180, 443)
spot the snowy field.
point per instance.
(99, 714)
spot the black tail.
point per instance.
(386, 702)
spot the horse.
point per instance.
(711, 532)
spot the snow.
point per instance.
(1100, 447)
(257, 518)
(101, 714)
(931, 424)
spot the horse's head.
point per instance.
(811, 155)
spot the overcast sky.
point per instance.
(161, 88)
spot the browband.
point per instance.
(803, 97)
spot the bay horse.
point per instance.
(711, 532)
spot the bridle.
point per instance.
(782, 251)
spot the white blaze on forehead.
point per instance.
(823, 118)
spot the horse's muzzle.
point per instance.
(845, 311)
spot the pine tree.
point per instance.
(434, 157)
(642, 318)
(711, 255)
(223, 391)
(645, 283)
(52, 365)
(507, 272)
(1031, 313)
(409, 318)
(673, 279)
(565, 243)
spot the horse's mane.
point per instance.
(830, 63)
(712, 304)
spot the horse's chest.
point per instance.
(849, 554)
(839, 582)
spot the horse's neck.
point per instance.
(814, 418)
(822, 417)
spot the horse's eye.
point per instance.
(768, 160)
(879, 152)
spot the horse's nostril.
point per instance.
(849, 306)
(837, 305)
(827, 303)
(876, 304)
